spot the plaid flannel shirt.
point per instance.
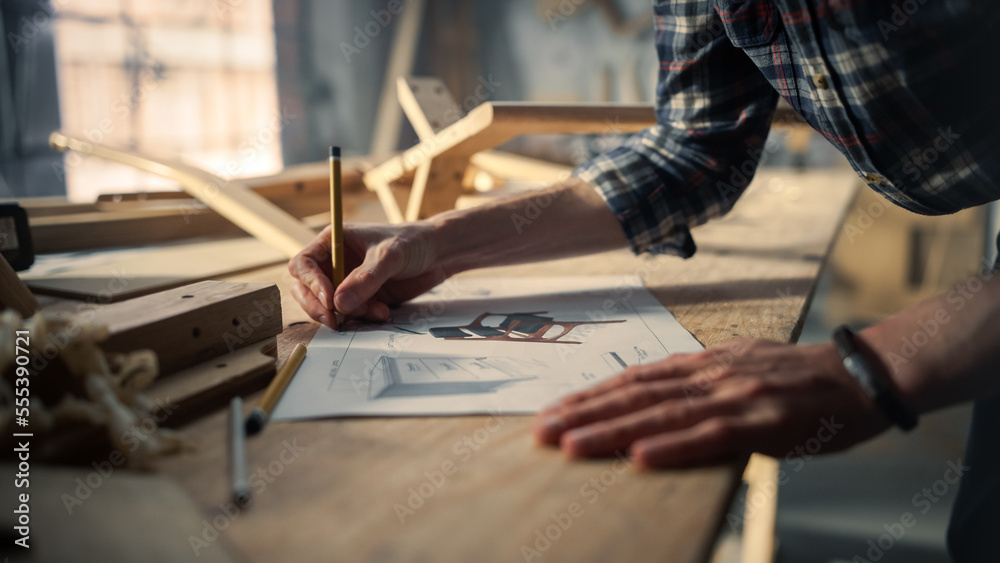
(907, 91)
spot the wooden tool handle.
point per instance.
(13, 292)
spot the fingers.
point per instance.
(675, 366)
(710, 441)
(552, 423)
(620, 433)
(377, 311)
(312, 268)
(381, 263)
(310, 304)
(374, 311)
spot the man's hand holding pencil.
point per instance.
(384, 265)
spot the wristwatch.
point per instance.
(873, 379)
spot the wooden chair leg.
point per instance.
(437, 184)
(13, 292)
(761, 511)
(388, 201)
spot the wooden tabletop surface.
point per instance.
(475, 488)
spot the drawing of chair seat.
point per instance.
(515, 327)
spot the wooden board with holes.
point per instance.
(207, 387)
(198, 390)
(382, 483)
(186, 325)
(193, 323)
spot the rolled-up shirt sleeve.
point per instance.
(713, 112)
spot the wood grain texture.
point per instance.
(193, 323)
(202, 389)
(109, 277)
(493, 123)
(13, 292)
(406, 40)
(329, 489)
(231, 198)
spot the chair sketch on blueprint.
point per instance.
(515, 327)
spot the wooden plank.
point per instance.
(13, 292)
(760, 516)
(445, 176)
(191, 324)
(230, 198)
(389, 118)
(113, 276)
(428, 104)
(50, 205)
(753, 277)
(85, 231)
(514, 166)
(493, 123)
(135, 219)
(199, 390)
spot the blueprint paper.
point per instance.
(479, 345)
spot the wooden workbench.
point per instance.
(332, 490)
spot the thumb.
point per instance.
(382, 262)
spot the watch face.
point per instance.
(861, 371)
(15, 237)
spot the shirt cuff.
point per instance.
(630, 186)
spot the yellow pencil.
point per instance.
(255, 422)
(336, 226)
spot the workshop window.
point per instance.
(190, 80)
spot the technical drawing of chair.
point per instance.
(516, 327)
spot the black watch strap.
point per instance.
(873, 379)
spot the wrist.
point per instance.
(870, 372)
(908, 372)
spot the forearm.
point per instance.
(567, 219)
(946, 349)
